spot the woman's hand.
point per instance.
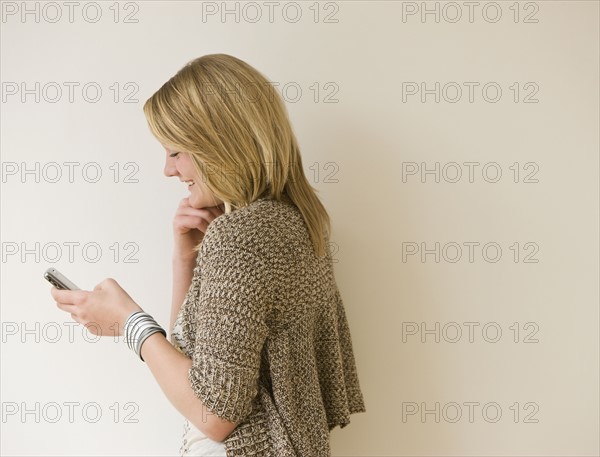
(102, 311)
(190, 225)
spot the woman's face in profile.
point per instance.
(180, 164)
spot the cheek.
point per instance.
(185, 165)
(197, 191)
(189, 169)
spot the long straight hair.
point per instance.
(235, 126)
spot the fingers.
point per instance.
(189, 211)
(216, 211)
(188, 218)
(196, 218)
(67, 307)
(67, 296)
(211, 213)
(65, 299)
(192, 222)
(186, 208)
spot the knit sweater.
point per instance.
(270, 342)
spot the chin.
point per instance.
(197, 203)
(193, 201)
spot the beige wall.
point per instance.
(533, 274)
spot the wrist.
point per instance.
(185, 259)
(148, 343)
(138, 327)
(126, 316)
(184, 253)
(185, 246)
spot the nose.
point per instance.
(170, 168)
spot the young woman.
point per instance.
(260, 360)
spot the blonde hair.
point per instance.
(229, 118)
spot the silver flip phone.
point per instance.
(58, 280)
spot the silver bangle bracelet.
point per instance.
(137, 328)
(132, 317)
(151, 331)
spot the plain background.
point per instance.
(357, 135)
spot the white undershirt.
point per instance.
(195, 443)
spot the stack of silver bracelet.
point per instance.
(137, 328)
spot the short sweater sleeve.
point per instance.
(231, 327)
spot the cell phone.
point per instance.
(58, 280)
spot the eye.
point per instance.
(174, 154)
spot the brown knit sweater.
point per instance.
(271, 343)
